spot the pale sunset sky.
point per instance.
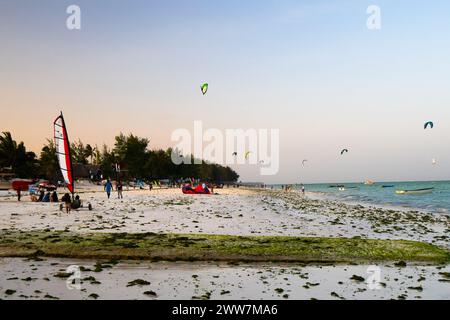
(311, 69)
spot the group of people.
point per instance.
(71, 204)
(109, 187)
(288, 188)
(45, 196)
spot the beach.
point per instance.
(232, 212)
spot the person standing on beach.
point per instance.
(108, 188)
(119, 190)
(67, 201)
(303, 189)
(18, 195)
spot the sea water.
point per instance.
(375, 194)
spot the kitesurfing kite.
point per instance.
(433, 161)
(62, 147)
(246, 154)
(204, 88)
(304, 161)
(428, 124)
(343, 150)
(234, 153)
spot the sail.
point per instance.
(62, 147)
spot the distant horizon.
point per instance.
(355, 182)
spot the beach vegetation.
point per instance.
(205, 247)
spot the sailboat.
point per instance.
(63, 154)
(62, 146)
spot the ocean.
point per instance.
(375, 194)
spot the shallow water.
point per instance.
(437, 201)
(170, 280)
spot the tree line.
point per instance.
(130, 152)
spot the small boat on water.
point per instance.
(387, 186)
(415, 191)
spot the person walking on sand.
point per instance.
(108, 188)
(67, 201)
(119, 190)
(303, 189)
(18, 195)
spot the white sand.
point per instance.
(233, 211)
(35, 280)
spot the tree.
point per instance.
(131, 152)
(97, 156)
(79, 152)
(89, 151)
(49, 162)
(22, 162)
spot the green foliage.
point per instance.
(22, 162)
(48, 161)
(131, 152)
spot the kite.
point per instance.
(343, 150)
(246, 154)
(204, 88)
(433, 161)
(234, 153)
(303, 162)
(428, 124)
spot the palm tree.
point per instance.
(89, 152)
(8, 150)
(22, 162)
(49, 161)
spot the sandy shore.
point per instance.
(232, 211)
(235, 212)
(29, 279)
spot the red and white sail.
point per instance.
(63, 151)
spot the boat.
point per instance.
(62, 146)
(63, 153)
(368, 182)
(415, 191)
(387, 186)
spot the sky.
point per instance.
(311, 69)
